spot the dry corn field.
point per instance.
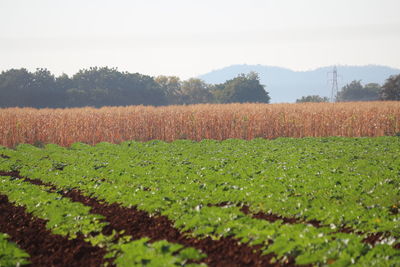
(244, 121)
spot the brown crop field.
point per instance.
(196, 122)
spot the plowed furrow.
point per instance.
(226, 251)
(45, 248)
(372, 238)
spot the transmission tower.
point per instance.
(334, 82)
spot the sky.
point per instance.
(188, 38)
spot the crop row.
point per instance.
(197, 122)
(44, 248)
(306, 178)
(338, 182)
(72, 219)
(139, 224)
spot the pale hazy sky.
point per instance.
(191, 37)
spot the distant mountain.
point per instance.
(285, 85)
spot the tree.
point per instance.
(312, 98)
(64, 82)
(110, 87)
(172, 87)
(391, 89)
(44, 92)
(105, 86)
(356, 92)
(196, 91)
(14, 84)
(21, 88)
(242, 89)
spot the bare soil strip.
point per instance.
(371, 239)
(274, 217)
(226, 251)
(45, 248)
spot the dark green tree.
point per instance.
(64, 82)
(242, 89)
(110, 87)
(312, 98)
(105, 86)
(21, 88)
(44, 92)
(14, 84)
(356, 92)
(391, 89)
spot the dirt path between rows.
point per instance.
(45, 248)
(372, 238)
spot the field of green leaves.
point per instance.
(319, 201)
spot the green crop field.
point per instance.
(283, 202)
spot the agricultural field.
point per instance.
(197, 122)
(331, 201)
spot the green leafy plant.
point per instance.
(10, 254)
(339, 182)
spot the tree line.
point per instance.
(355, 91)
(105, 86)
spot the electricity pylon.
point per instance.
(334, 83)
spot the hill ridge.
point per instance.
(287, 85)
